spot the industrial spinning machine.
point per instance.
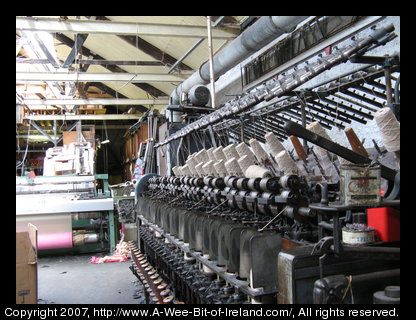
(253, 223)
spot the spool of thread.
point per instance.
(258, 150)
(274, 143)
(198, 157)
(233, 168)
(389, 128)
(201, 156)
(205, 169)
(191, 155)
(316, 128)
(191, 165)
(209, 169)
(198, 168)
(219, 154)
(210, 153)
(255, 171)
(176, 171)
(185, 171)
(244, 163)
(195, 156)
(342, 161)
(230, 152)
(204, 155)
(286, 163)
(244, 150)
(220, 168)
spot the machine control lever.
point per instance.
(293, 128)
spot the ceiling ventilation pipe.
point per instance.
(261, 33)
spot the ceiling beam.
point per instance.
(104, 101)
(150, 49)
(97, 77)
(35, 47)
(155, 92)
(121, 28)
(45, 50)
(32, 61)
(80, 39)
(106, 89)
(42, 117)
(96, 62)
(23, 129)
(121, 62)
(153, 51)
(194, 46)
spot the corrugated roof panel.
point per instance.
(112, 47)
(177, 46)
(129, 90)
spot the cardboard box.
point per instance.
(71, 136)
(64, 165)
(26, 266)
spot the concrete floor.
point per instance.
(71, 279)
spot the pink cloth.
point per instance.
(55, 240)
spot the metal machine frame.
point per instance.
(68, 194)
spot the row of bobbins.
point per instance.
(236, 160)
(155, 288)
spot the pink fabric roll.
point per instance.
(54, 240)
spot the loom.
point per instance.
(70, 212)
(250, 222)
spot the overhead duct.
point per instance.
(254, 38)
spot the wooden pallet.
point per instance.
(89, 110)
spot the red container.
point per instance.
(386, 222)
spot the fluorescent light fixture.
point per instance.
(105, 141)
(33, 137)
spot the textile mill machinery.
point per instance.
(70, 205)
(249, 222)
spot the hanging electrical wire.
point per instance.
(27, 146)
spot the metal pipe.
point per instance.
(280, 87)
(324, 192)
(303, 114)
(211, 62)
(254, 38)
(389, 93)
(376, 275)
(196, 44)
(369, 249)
